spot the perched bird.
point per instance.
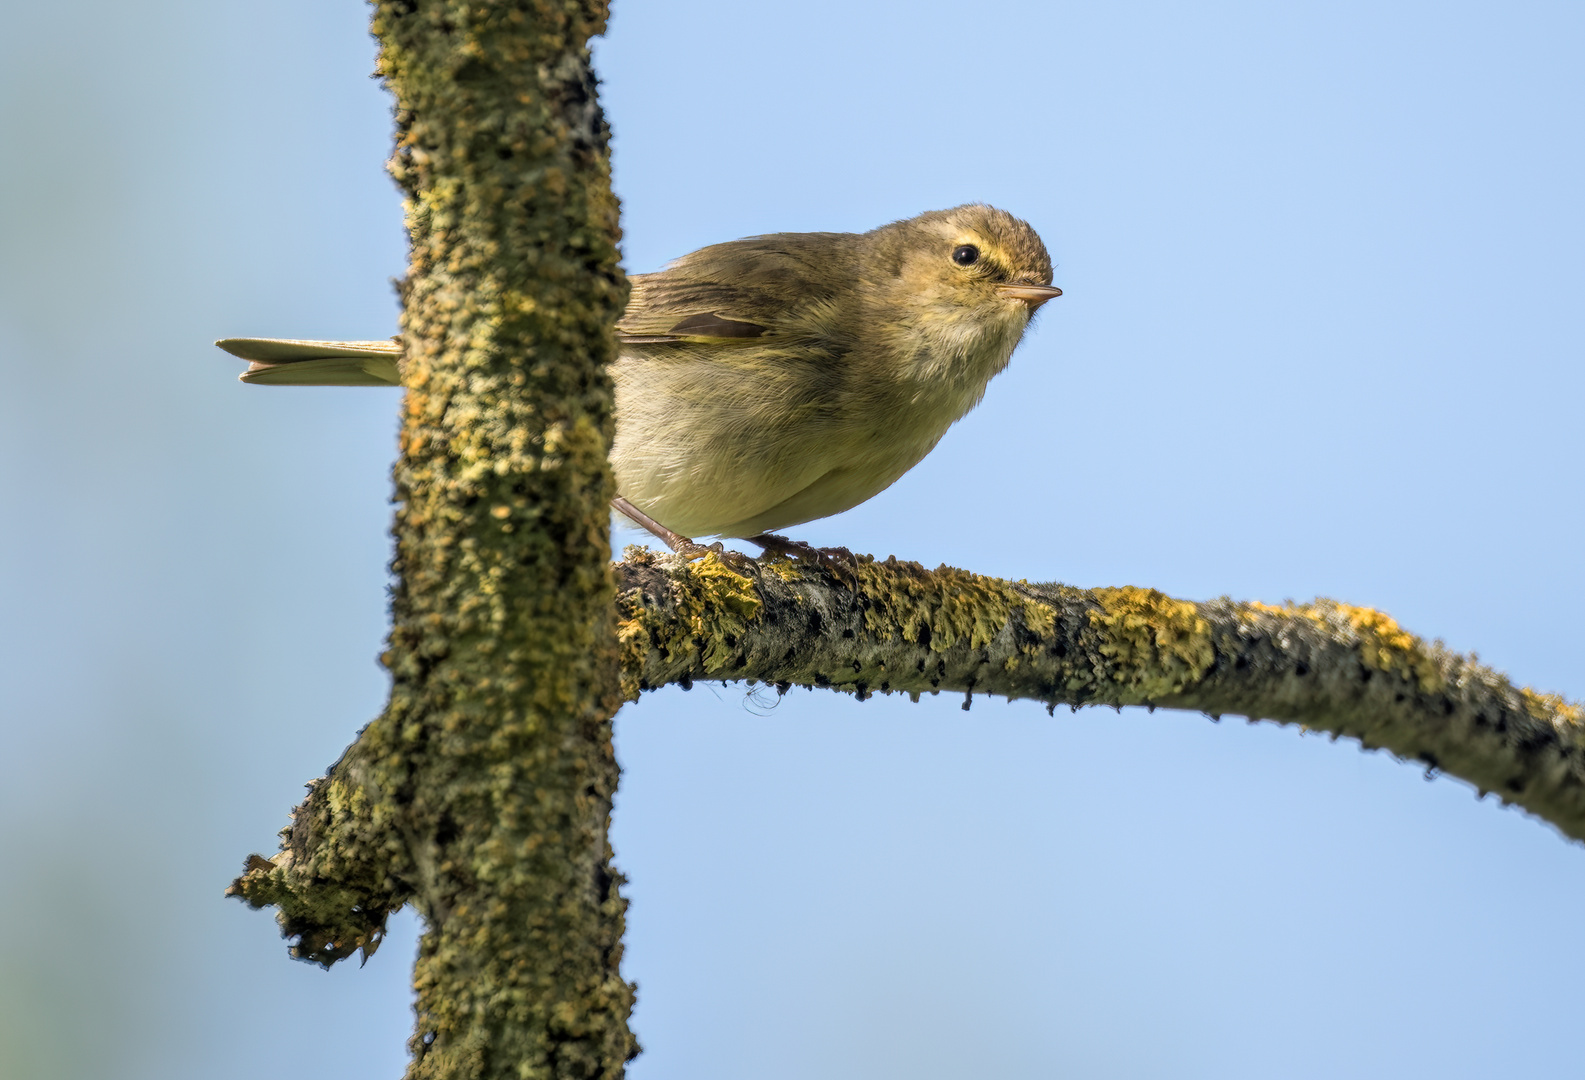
(778, 379)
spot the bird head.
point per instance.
(960, 284)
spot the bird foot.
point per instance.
(691, 551)
(683, 545)
(839, 562)
(736, 560)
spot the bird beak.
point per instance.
(1033, 295)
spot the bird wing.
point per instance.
(764, 290)
(662, 311)
(293, 362)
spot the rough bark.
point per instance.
(895, 627)
(482, 794)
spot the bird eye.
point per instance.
(965, 254)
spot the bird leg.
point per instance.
(679, 543)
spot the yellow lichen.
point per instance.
(785, 567)
(633, 642)
(1386, 646)
(1041, 619)
(714, 606)
(726, 603)
(1383, 644)
(953, 604)
(1159, 646)
(1552, 708)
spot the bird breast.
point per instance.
(734, 443)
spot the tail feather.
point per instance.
(291, 362)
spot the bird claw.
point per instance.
(734, 560)
(839, 562)
(691, 551)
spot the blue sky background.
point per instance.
(1322, 335)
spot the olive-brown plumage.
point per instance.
(843, 360)
(778, 379)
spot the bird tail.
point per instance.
(287, 362)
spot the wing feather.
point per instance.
(762, 291)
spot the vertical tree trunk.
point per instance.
(493, 759)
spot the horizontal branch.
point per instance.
(895, 627)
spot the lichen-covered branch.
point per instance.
(482, 794)
(895, 627)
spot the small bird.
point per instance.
(778, 379)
